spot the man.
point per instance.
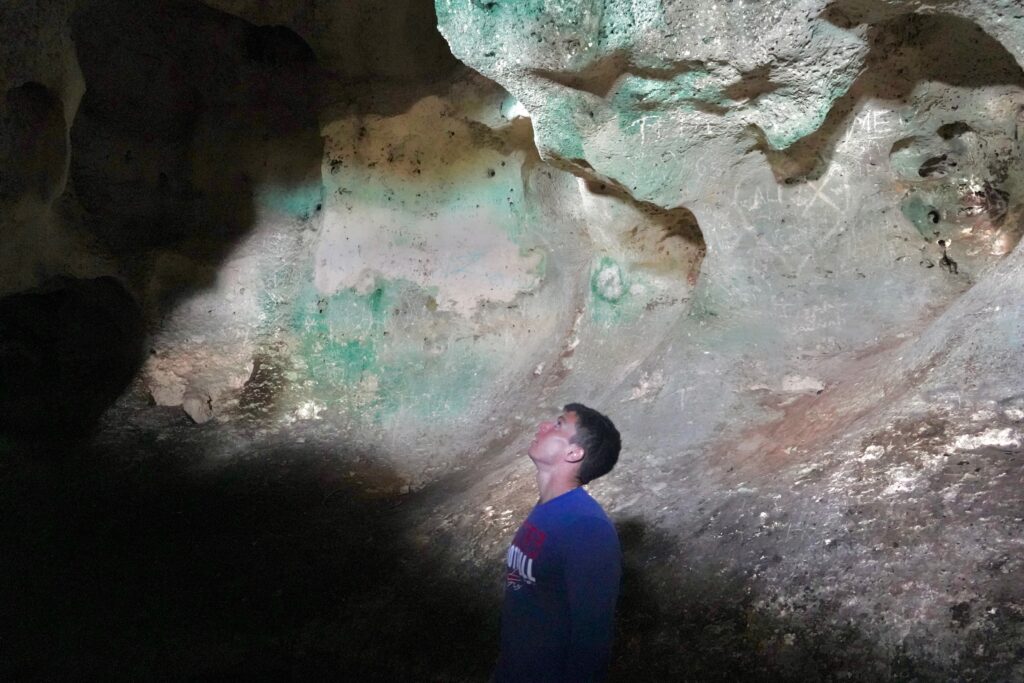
(564, 564)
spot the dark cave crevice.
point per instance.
(67, 350)
(401, 44)
(33, 143)
(277, 46)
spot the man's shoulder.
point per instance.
(581, 514)
(574, 503)
(587, 506)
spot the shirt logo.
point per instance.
(521, 555)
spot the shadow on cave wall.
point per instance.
(193, 121)
(286, 566)
(33, 144)
(188, 113)
(686, 617)
(904, 51)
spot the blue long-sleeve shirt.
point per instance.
(562, 581)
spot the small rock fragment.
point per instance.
(198, 405)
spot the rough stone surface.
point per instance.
(42, 86)
(853, 168)
(198, 406)
(777, 242)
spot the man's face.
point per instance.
(553, 441)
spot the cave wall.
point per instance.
(42, 87)
(777, 242)
(303, 247)
(853, 169)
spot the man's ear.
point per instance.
(575, 453)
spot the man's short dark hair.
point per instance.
(599, 439)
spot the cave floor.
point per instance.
(170, 551)
(156, 564)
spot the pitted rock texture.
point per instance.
(681, 85)
(692, 83)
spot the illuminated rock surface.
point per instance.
(775, 241)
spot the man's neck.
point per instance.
(553, 484)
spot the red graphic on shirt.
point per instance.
(530, 539)
(524, 550)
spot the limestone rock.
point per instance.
(38, 48)
(198, 405)
(678, 85)
(166, 387)
(40, 90)
(663, 98)
(195, 376)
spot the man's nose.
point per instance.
(545, 427)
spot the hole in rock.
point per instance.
(965, 175)
(276, 45)
(935, 166)
(948, 131)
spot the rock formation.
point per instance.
(776, 241)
